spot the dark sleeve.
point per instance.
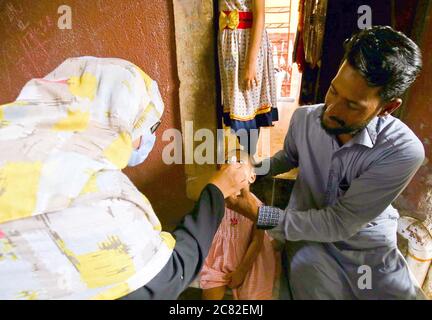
(194, 236)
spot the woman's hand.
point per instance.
(230, 179)
(250, 76)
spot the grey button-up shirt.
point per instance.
(341, 206)
(342, 192)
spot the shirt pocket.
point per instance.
(342, 188)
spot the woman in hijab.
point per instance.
(72, 225)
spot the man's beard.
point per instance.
(343, 129)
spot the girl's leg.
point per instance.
(214, 293)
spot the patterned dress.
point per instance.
(248, 109)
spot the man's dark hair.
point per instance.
(385, 58)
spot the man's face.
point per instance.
(350, 104)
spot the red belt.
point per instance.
(245, 19)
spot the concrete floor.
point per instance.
(278, 132)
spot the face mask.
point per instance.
(138, 156)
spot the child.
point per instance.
(241, 257)
(246, 70)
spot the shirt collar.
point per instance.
(368, 135)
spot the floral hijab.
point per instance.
(72, 225)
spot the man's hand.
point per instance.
(230, 179)
(245, 204)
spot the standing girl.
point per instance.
(246, 69)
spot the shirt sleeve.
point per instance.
(367, 197)
(194, 236)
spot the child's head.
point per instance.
(237, 155)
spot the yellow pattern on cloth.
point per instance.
(100, 268)
(231, 20)
(1, 116)
(117, 291)
(18, 189)
(75, 121)
(118, 152)
(72, 225)
(83, 86)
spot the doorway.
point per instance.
(281, 20)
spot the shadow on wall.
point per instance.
(416, 199)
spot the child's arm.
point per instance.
(258, 12)
(238, 276)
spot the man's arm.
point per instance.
(367, 197)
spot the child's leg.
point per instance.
(214, 293)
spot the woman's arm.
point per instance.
(238, 276)
(258, 7)
(194, 236)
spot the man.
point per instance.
(354, 159)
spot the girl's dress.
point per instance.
(228, 249)
(244, 109)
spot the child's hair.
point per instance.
(232, 154)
